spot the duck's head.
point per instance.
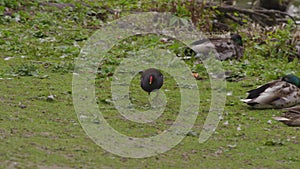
(237, 39)
(292, 79)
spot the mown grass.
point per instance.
(39, 127)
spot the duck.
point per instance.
(227, 48)
(280, 93)
(151, 79)
(291, 117)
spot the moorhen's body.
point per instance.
(151, 79)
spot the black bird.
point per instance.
(151, 79)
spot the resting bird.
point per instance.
(280, 93)
(227, 48)
(291, 117)
(151, 79)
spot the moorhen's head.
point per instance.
(151, 79)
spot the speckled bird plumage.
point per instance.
(275, 94)
(291, 117)
(226, 48)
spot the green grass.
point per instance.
(37, 131)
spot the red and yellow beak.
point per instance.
(150, 80)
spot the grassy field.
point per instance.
(38, 124)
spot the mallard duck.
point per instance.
(291, 117)
(151, 79)
(280, 93)
(227, 48)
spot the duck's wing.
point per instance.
(290, 118)
(281, 118)
(273, 92)
(289, 122)
(295, 109)
(255, 93)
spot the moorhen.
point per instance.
(151, 79)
